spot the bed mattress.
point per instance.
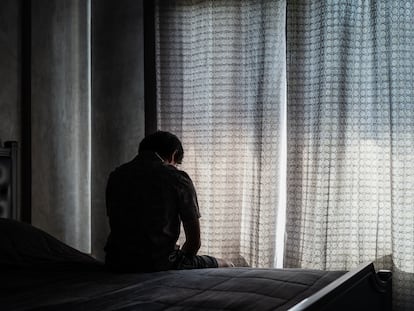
(78, 287)
(40, 272)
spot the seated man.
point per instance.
(147, 199)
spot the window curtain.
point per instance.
(221, 87)
(87, 111)
(60, 120)
(350, 132)
(117, 103)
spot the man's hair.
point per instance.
(163, 143)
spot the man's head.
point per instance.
(165, 144)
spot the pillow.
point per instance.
(22, 244)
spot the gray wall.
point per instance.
(10, 70)
(117, 98)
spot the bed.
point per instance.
(41, 273)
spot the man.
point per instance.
(147, 199)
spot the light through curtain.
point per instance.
(221, 88)
(351, 138)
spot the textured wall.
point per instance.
(10, 70)
(61, 120)
(117, 98)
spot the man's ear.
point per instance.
(173, 156)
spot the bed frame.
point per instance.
(358, 289)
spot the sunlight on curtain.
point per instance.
(351, 138)
(221, 88)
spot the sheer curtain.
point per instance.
(351, 138)
(221, 88)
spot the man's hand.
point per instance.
(192, 237)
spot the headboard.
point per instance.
(8, 181)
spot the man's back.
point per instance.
(145, 201)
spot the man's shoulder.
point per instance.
(148, 169)
(123, 168)
(152, 168)
(183, 180)
(183, 175)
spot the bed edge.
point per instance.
(359, 289)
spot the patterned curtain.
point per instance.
(221, 84)
(351, 138)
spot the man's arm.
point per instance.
(192, 237)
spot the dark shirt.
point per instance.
(146, 201)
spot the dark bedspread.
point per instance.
(79, 288)
(65, 279)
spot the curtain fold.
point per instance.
(118, 100)
(351, 139)
(221, 87)
(61, 120)
(77, 138)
